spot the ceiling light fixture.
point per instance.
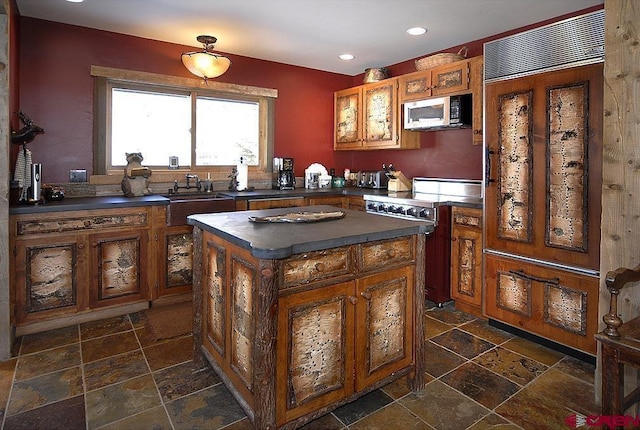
(346, 57)
(416, 31)
(206, 63)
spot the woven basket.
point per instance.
(440, 59)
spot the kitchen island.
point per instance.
(300, 318)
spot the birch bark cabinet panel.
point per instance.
(369, 117)
(68, 264)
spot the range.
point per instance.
(430, 201)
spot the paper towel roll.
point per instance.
(243, 175)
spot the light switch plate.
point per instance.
(78, 175)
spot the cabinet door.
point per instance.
(384, 337)
(476, 78)
(549, 302)
(176, 260)
(118, 267)
(380, 115)
(466, 258)
(48, 274)
(544, 137)
(415, 86)
(315, 349)
(450, 78)
(348, 118)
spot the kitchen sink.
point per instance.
(181, 205)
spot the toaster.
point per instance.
(377, 179)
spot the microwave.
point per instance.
(438, 113)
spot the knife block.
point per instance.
(399, 182)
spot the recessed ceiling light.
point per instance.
(346, 57)
(416, 31)
(75, 1)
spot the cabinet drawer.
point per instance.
(552, 303)
(377, 255)
(315, 266)
(467, 217)
(70, 222)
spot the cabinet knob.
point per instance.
(320, 267)
(353, 300)
(366, 295)
(94, 244)
(391, 253)
(81, 246)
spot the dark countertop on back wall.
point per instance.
(107, 202)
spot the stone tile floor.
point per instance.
(109, 374)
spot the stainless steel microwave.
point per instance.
(437, 113)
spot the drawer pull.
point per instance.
(521, 273)
(320, 267)
(366, 295)
(353, 300)
(391, 253)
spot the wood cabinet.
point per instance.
(369, 117)
(543, 202)
(337, 201)
(476, 71)
(67, 265)
(343, 323)
(452, 78)
(544, 142)
(466, 259)
(356, 203)
(282, 202)
(555, 304)
(175, 247)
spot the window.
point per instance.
(207, 128)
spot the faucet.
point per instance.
(188, 176)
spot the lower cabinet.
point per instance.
(341, 339)
(466, 259)
(176, 251)
(284, 202)
(69, 264)
(344, 322)
(555, 304)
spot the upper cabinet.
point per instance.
(369, 117)
(452, 78)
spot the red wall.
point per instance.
(56, 90)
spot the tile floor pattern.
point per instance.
(109, 375)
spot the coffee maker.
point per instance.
(283, 176)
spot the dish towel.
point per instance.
(22, 173)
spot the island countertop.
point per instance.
(281, 240)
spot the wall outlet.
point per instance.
(78, 175)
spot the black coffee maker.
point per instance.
(283, 176)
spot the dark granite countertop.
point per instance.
(301, 192)
(107, 202)
(281, 240)
(88, 203)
